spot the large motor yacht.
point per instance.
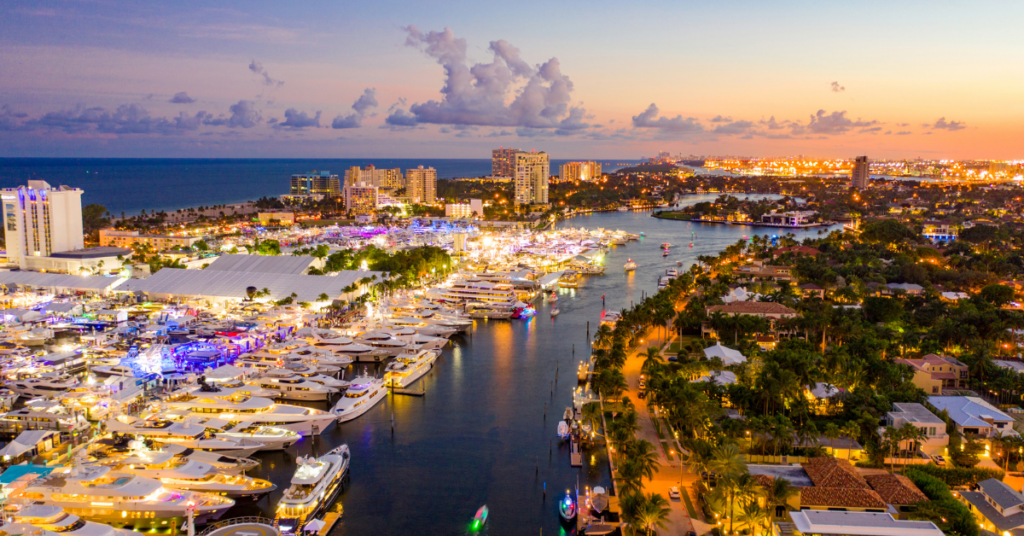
(293, 387)
(97, 493)
(272, 437)
(188, 475)
(44, 520)
(416, 340)
(315, 485)
(362, 394)
(42, 385)
(409, 367)
(186, 434)
(253, 411)
(118, 447)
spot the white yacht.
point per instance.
(97, 493)
(483, 310)
(188, 475)
(115, 370)
(230, 465)
(42, 520)
(362, 394)
(292, 387)
(476, 290)
(409, 367)
(315, 485)
(187, 435)
(310, 373)
(272, 437)
(417, 340)
(254, 410)
(42, 385)
(382, 341)
(420, 325)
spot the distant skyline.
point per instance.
(602, 80)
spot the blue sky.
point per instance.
(824, 79)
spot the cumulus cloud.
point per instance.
(477, 94)
(181, 98)
(833, 123)
(244, 115)
(257, 68)
(720, 119)
(11, 121)
(772, 124)
(296, 120)
(942, 124)
(836, 88)
(675, 125)
(362, 106)
(904, 133)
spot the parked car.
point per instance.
(673, 493)
(939, 460)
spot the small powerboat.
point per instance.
(555, 312)
(630, 265)
(567, 507)
(480, 519)
(664, 253)
(563, 430)
(553, 297)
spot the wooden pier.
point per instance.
(330, 519)
(576, 455)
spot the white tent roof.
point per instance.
(225, 372)
(223, 284)
(271, 264)
(25, 442)
(62, 281)
(728, 355)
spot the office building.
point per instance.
(315, 183)
(580, 171)
(40, 220)
(503, 162)
(531, 178)
(860, 173)
(421, 185)
(129, 239)
(388, 179)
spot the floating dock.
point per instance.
(575, 455)
(407, 391)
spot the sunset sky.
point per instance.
(454, 79)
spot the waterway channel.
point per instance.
(480, 435)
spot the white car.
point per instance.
(673, 493)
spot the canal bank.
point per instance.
(480, 435)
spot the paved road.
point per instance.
(679, 522)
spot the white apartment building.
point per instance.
(860, 173)
(458, 210)
(532, 173)
(40, 220)
(421, 185)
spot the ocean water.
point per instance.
(132, 185)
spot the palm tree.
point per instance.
(630, 478)
(603, 336)
(643, 453)
(592, 415)
(699, 455)
(653, 513)
(832, 433)
(778, 493)
(652, 360)
(852, 431)
(727, 463)
(754, 516)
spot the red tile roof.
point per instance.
(896, 489)
(840, 497)
(829, 472)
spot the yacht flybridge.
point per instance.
(292, 387)
(97, 493)
(409, 367)
(42, 385)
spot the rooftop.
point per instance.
(751, 308)
(1000, 492)
(895, 489)
(841, 497)
(795, 474)
(829, 472)
(270, 264)
(860, 524)
(914, 412)
(92, 253)
(1001, 522)
(969, 411)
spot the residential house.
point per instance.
(726, 354)
(795, 250)
(828, 523)
(810, 290)
(896, 490)
(996, 506)
(824, 398)
(908, 288)
(974, 416)
(838, 486)
(919, 416)
(760, 271)
(1014, 366)
(769, 310)
(766, 343)
(939, 231)
(933, 373)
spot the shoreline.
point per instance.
(751, 223)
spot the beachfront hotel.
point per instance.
(503, 162)
(40, 220)
(421, 185)
(580, 171)
(315, 183)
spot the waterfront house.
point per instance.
(760, 271)
(996, 506)
(918, 416)
(810, 290)
(795, 250)
(934, 373)
(793, 218)
(909, 288)
(974, 416)
(768, 310)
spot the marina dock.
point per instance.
(576, 454)
(407, 391)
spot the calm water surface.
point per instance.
(479, 436)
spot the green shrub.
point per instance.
(960, 476)
(941, 508)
